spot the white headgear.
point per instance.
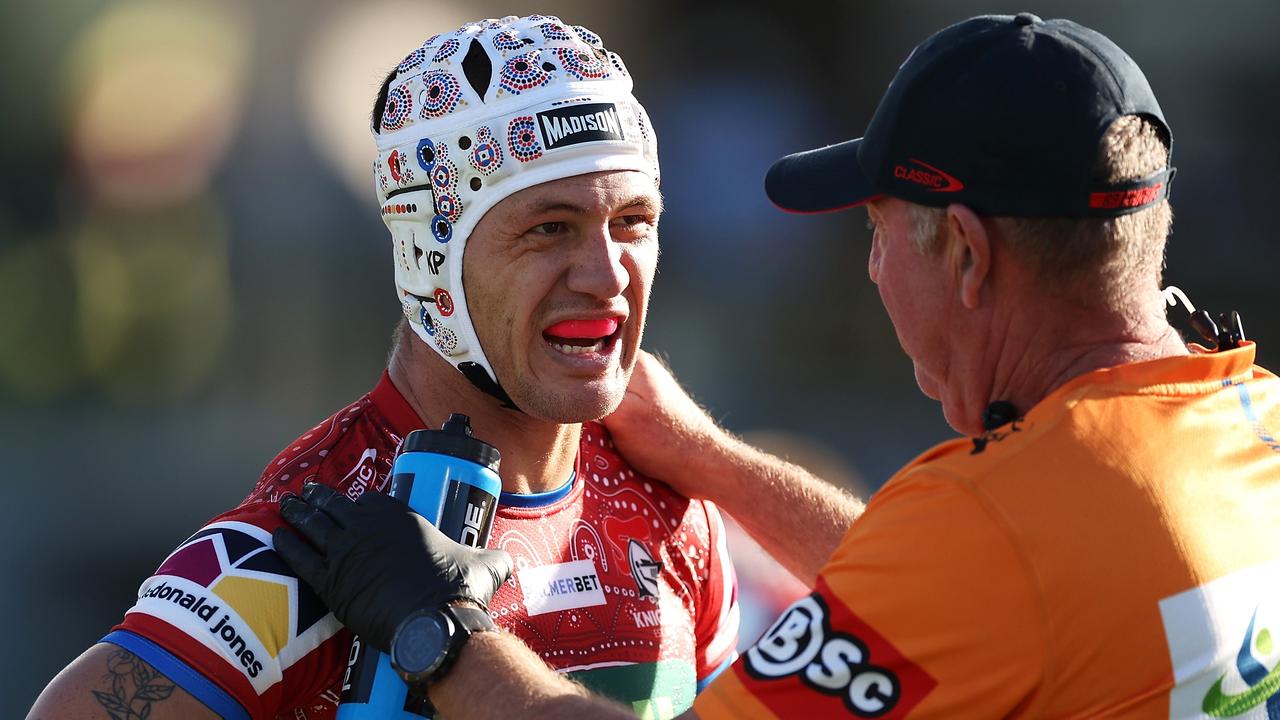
(473, 116)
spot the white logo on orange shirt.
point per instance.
(802, 643)
(1226, 662)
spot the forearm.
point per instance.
(796, 517)
(664, 434)
(497, 677)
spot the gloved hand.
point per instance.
(374, 561)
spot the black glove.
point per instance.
(378, 560)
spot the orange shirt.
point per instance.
(1116, 552)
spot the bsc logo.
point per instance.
(1263, 685)
(802, 643)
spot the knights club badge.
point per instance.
(643, 568)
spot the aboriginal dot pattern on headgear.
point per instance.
(482, 66)
(446, 51)
(486, 156)
(444, 181)
(398, 108)
(522, 139)
(581, 64)
(523, 72)
(430, 79)
(414, 59)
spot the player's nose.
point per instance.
(597, 266)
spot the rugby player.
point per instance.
(519, 141)
(1104, 544)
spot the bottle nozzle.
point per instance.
(457, 424)
(453, 438)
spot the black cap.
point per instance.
(454, 439)
(1002, 113)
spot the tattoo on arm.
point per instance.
(134, 686)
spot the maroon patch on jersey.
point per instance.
(819, 659)
(197, 562)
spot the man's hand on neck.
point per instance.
(537, 455)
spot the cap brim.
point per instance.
(822, 180)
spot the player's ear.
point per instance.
(968, 253)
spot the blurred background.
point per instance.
(193, 270)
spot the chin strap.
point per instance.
(481, 379)
(1225, 334)
(473, 371)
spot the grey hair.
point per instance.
(1089, 260)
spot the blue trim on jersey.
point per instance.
(704, 682)
(168, 664)
(1246, 403)
(533, 500)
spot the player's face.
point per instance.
(557, 279)
(915, 290)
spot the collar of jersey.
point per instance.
(1200, 371)
(404, 420)
(392, 405)
(536, 500)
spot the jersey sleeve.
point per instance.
(926, 609)
(227, 610)
(718, 614)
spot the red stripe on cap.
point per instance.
(838, 208)
(1124, 198)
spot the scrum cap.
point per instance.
(473, 116)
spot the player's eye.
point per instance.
(634, 226)
(548, 228)
(633, 220)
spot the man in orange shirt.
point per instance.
(1105, 543)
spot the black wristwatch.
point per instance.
(427, 643)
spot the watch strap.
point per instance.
(466, 621)
(469, 617)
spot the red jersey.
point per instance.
(1114, 553)
(619, 581)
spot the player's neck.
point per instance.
(537, 456)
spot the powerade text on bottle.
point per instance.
(451, 479)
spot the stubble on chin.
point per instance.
(569, 401)
(569, 407)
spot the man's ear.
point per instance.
(968, 253)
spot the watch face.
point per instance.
(421, 645)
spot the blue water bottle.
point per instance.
(451, 479)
